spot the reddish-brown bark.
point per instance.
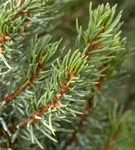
(27, 83)
(113, 139)
(83, 118)
(64, 88)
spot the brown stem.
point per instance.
(52, 104)
(129, 101)
(83, 118)
(27, 82)
(3, 39)
(113, 139)
(73, 138)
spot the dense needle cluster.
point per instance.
(54, 98)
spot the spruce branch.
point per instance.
(23, 15)
(116, 124)
(48, 93)
(53, 103)
(63, 81)
(96, 44)
(43, 54)
(4, 35)
(84, 116)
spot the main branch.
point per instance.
(64, 88)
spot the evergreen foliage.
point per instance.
(53, 97)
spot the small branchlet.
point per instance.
(40, 68)
(64, 88)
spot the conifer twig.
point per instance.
(40, 67)
(5, 38)
(27, 82)
(52, 104)
(89, 107)
(83, 117)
